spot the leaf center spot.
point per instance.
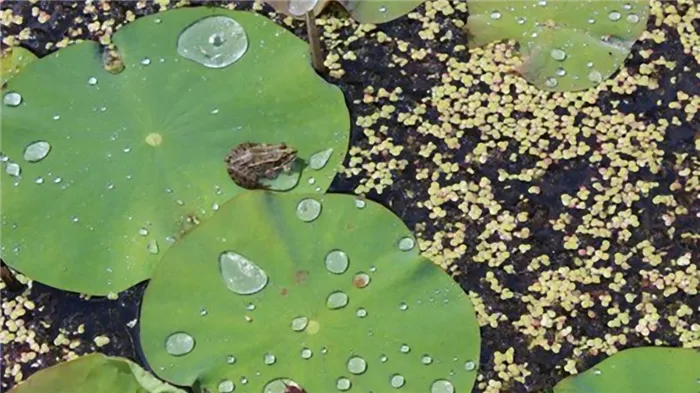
(154, 139)
(313, 327)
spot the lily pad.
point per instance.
(363, 11)
(104, 171)
(650, 369)
(12, 61)
(328, 293)
(566, 45)
(94, 373)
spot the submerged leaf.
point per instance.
(104, 171)
(566, 45)
(94, 373)
(12, 61)
(324, 292)
(364, 11)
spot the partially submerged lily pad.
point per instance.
(649, 369)
(566, 45)
(104, 171)
(364, 11)
(12, 61)
(318, 291)
(94, 373)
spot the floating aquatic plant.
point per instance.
(566, 45)
(649, 369)
(328, 293)
(12, 61)
(364, 11)
(94, 373)
(105, 170)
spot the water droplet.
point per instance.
(360, 280)
(269, 359)
(214, 42)
(308, 209)
(250, 307)
(595, 76)
(495, 15)
(361, 312)
(244, 380)
(12, 99)
(383, 358)
(145, 61)
(75, 219)
(357, 365)
(152, 246)
(226, 386)
(397, 381)
(230, 359)
(633, 18)
(337, 300)
(405, 348)
(591, 21)
(215, 111)
(360, 204)
(92, 81)
(426, 359)
(551, 82)
(301, 7)
(343, 384)
(403, 306)
(306, 353)
(37, 151)
(319, 159)
(203, 312)
(520, 20)
(240, 274)
(337, 262)
(143, 232)
(542, 3)
(561, 72)
(178, 344)
(558, 54)
(57, 180)
(280, 385)
(470, 366)
(442, 386)
(299, 323)
(406, 243)
(13, 169)
(382, 9)
(39, 180)
(614, 16)
(597, 372)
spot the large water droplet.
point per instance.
(337, 261)
(319, 159)
(442, 386)
(397, 381)
(308, 209)
(338, 299)
(12, 99)
(226, 386)
(152, 246)
(214, 42)
(558, 54)
(406, 243)
(37, 151)
(357, 365)
(343, 384)
(301, 7)
(614, 16)
(240, 274)
(178, 344)
(299, 323)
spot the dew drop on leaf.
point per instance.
(214, 42)
(13, 169)
(551, 82)
(442, 386)
(360, 280)
(343, 384)
(633, 18)
(361, 312)
(306, 353)
(614, 16)
(152, 246)
(336, 300)
(299, 323)
(319, 159)
(241, 275)
(178, 344)
(360, 204)
(337, 261)
(406, 243)
(12, 99)
(470, 366)
(92, 81)
(426, 359)
(279, 385)
(357, 365)
(397, 381)
(230, 359)
(558, 54)
(405, 348)
(226, 386)
(145, 61)
(308, 209)
(495, 15)
(269, 359)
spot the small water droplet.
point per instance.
(361, 312)
(230, 359)
(595, 76)
(203, 312)
(215, 111)
(360, 280)
(127, 149)
(244, 380)
(551, 82)
(12, 99)
(542, 3)
(406, 243)
(403, 306)
(614, 16)
(299, 323)
(157, 20)
(74, 219)
(383, 358)
(405, 348)
(226, 386)
(426, 359)
(558, 54)
(382, 9)
(357, 365)
(337, 262)
(145, 61)
(495, 15)
(591, 21)
(57, 180)
(250, 307)
(214, 42)
(241, 275)
(180, 343)
(397, 381)
(308, 209)
(152, 246)
(269, 359)
(37, 151)
(56, 117)
(319, 159)
(520, 20)
(92, 81)
(306, 353)
(633, 18)
(470, 366)
(39, 180)
(597, 372)
(143, 232)
(110, 186)
(360, 204)
(343, 384)
(561, 72)
(13, 169)
(336, 300)
(442, 386)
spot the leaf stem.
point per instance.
(314, 42)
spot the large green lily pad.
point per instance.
(649, 369)
(12, 61)
(566, 45)
(345, 300)
(136, 158)
(94, 373)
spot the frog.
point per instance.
(248, 163)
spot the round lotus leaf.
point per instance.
(648, 369)
(327, 293)
(566, 45)
(12, 61)
(105, 170)
(364, 11)
(94, 373)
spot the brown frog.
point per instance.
(248, 163)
